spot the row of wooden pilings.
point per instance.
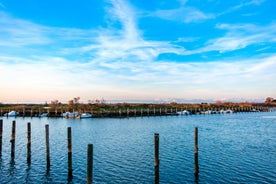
(89, 178)
(131, 112)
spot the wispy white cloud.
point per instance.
(127, 43)
(16, 32)
(184, 14)
(240, 36)
(242, 5)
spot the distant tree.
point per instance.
(268, 100)
(55, 103)
(71, 103)
(103, 101)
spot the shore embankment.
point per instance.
(132, 110)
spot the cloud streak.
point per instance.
(240, 36)
(184, 13)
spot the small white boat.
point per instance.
(70, 114)
(206, 112)
(45, 114)
(11, 114)
(228, 111)
(185, 112)
(86, 115)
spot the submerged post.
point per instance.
(196, 168)
(89, 178)
(1, 133)
(69, 141)
(29, 143)
(47, 146)
(13, 140)
(156, 158)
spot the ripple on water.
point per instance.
(234, 148)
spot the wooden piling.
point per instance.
(156, 158)
(29, 143)
(1, 133)
(196, 168)
(47, 145)
(89, 178)
(13, 140)
(69, 143)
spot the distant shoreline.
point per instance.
(133, 109)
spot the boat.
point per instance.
(11, 114)
(206, 112)
(45, 114)
(228, 111)
(70, 114)
(185, 112)
(85, 115)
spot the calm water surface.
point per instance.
(233, 148)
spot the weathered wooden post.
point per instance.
(1, 133)
(196, 168)
(13, 140)
(47, 146)
(29, 143)
(156, 158)
(89, 178)
(69, 141)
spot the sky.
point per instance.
(137, 50)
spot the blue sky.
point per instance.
(137, 50)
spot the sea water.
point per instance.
(233, 148)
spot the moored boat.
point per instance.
(70, 114)
(11, 114)
(86, 115)
(45, 114)
(185, 112)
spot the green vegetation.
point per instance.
(75, 105)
